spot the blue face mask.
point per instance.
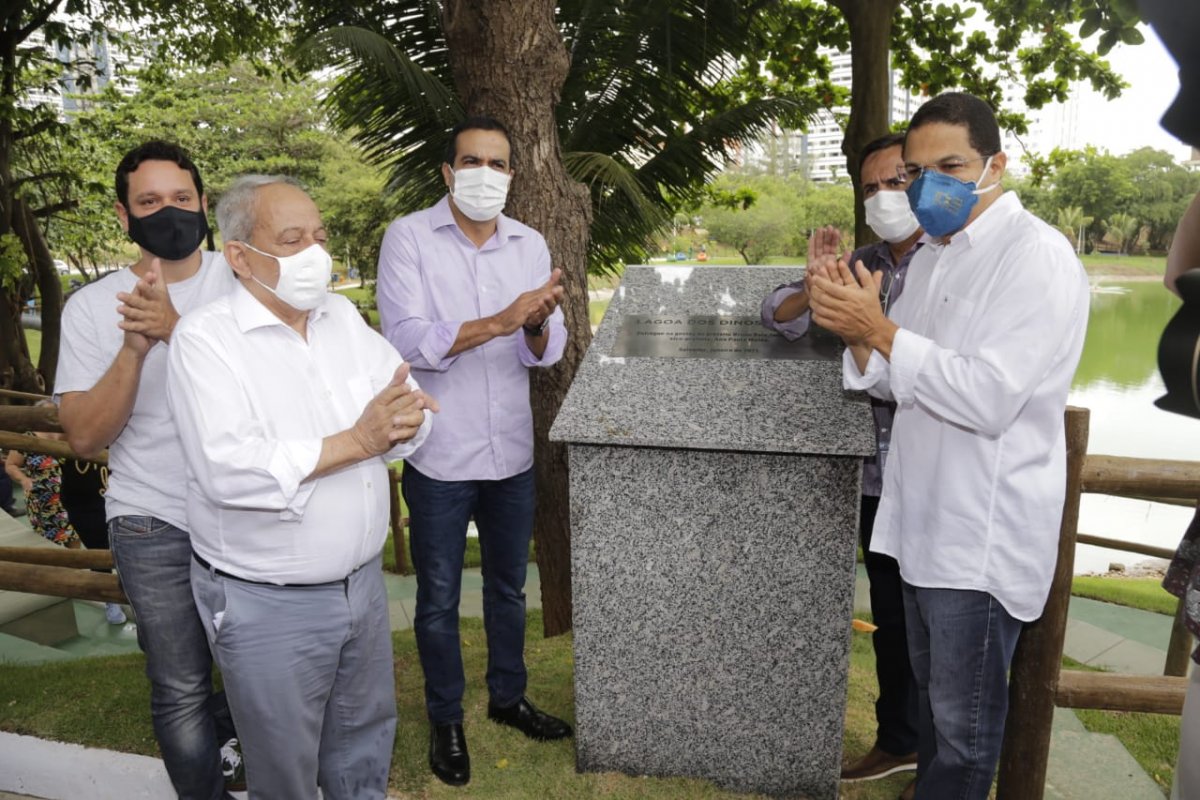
(942, 202)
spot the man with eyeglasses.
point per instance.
(978, 355)
(786, 310)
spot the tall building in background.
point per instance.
(85, 70)
(817, 152)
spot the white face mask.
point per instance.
(480, 192)
(890, 216)
(303, 277)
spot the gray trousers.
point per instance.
(309, 677)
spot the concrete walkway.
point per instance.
(1083, 765)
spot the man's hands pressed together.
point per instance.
(149, 315)
(848, 304)
(394, 415)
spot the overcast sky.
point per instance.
(1131, 121)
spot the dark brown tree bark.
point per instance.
(870, 23)
(49, 286)
(509, 62)
(16, 370)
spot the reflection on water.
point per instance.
(1118, 381)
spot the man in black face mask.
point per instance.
(111, 390)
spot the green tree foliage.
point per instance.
(1146, 184)
(42, 170)
(653, 104)
(1030, 43)
(778, 220)
(1121, 229)
(1073, 222)
(232, 119)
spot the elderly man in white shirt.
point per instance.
(288, 408)
(978, 355)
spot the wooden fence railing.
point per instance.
(1037, 681)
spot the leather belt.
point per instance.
(343, 581)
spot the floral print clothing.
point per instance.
(1183, 578)
(44, 500)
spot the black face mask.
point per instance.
(171, 233)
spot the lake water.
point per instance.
(1118, 381)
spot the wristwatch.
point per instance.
(536, 330)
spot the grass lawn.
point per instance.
(1132, 266)
(1144, 593)
(34, 339)
(103, 703)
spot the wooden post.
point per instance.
(51, 447)
(1033, 678)
(1142, 476)
(61, 582)
(1179, 650)
(58, 557)
(29, 418)
(397, 522)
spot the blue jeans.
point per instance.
(961, 643)
(438, 515)
(153, 559)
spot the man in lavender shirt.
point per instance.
(467, 296)
(786, 310)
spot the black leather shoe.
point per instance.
(526, 718)
(448, 754)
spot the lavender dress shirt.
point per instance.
(432, 279)
(875, 257)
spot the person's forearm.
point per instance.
(92, 420)
(338, 451)
(13, 469)
(537, 344)
(880, 339)
(474, 333)
(862, 354)
(1185, 247)
(792, 307)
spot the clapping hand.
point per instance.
(147, 311)
(394, 415)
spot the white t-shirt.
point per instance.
(146, 470)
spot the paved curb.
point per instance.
(38, 767)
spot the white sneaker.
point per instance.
(114, 614)
(231, 766)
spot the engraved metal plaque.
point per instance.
(717, 337)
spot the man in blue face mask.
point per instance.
(978, 356)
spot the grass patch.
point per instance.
(1152, 739)
(596, 309)
(1146, 594)
(34, 340)
(103, 702)
(1134, 266)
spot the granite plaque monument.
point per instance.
(714, 505)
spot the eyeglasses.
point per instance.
(895, 184)
(947, 166)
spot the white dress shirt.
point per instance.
(991, 328)
(252, 401)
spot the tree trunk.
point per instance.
(16, 370)
(870, 24)
(46, 276)
(509, 62)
